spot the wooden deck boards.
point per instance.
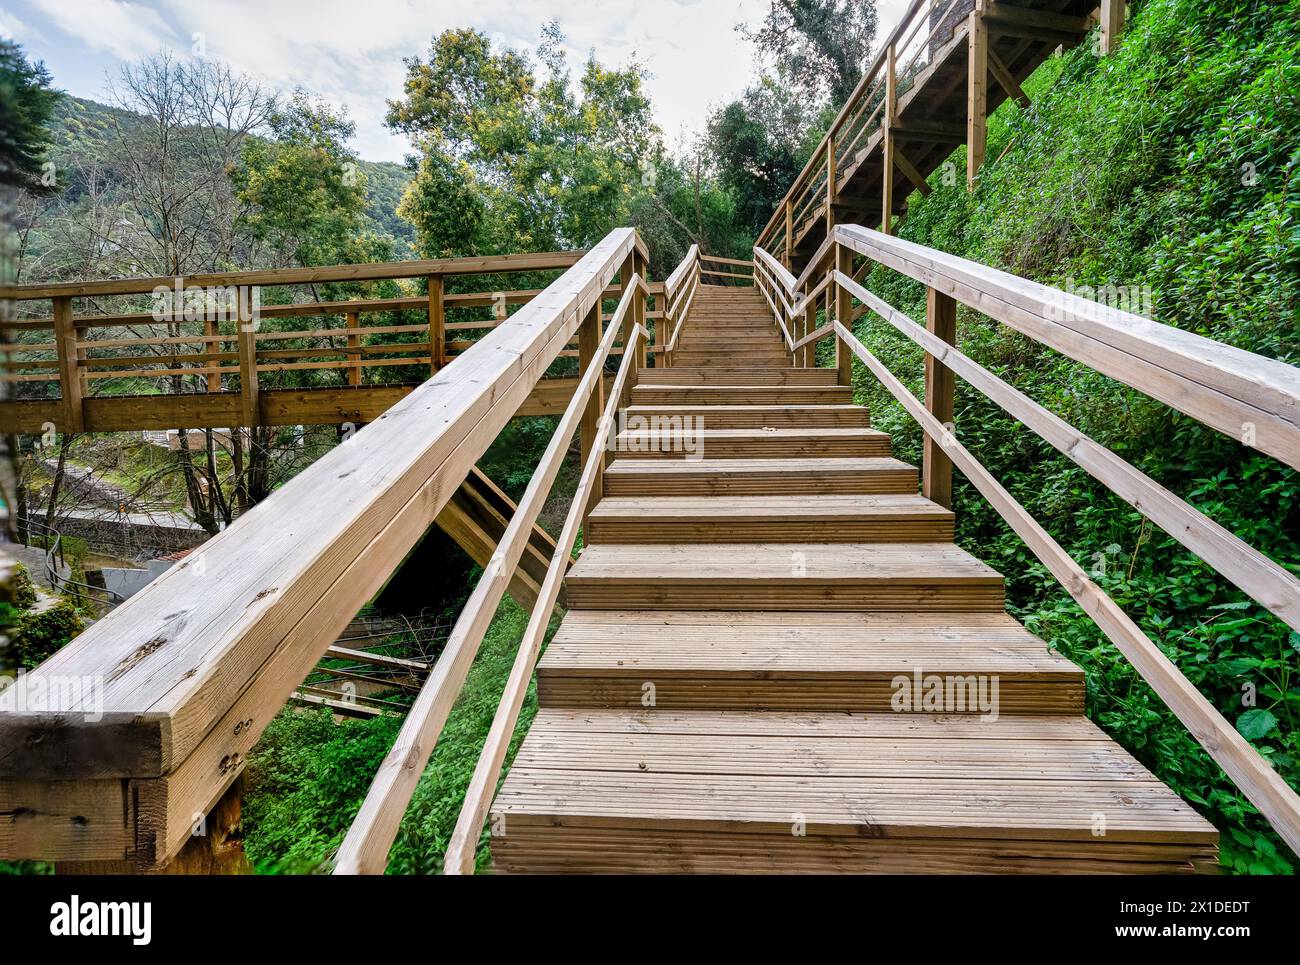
(721, 695)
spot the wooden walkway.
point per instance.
(724, 692)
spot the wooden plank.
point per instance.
(1112, 25)
(249, 409)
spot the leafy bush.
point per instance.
(39, 633)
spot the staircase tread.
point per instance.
(722, 776)
(797, 645)
(625, 464)
(804, 507)
(851, 563)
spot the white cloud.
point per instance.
(125, 30)
(350, 51)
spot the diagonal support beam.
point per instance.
(1006, 79)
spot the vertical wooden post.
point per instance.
(832, 175)
(1112, 25)
(353, 321)
(887, 144)
(977, 74)
(211, 347)
(789, 232)
(843, 313)
(589, 333)
(806, 357)
(437, 326)
(940, 320)
(641, 268)
(248, 388)
(70, 384)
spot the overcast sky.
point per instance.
(350, 51)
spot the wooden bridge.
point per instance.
(773, 657)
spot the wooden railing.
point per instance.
(1253, 399)
(929, 33)
(183, 677)
(208, 334)
(679, 293)
(366, 846)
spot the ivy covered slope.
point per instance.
(1172, 166)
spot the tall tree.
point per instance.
(820, 45)
(26, 104)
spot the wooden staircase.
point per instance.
(761, 590)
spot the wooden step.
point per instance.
(655, 477)
(718, 375)
(662, 791)
(775, 394)
(782, 576)
(696, 443)
(769, 519)
(758, 416)
(977, 663)
(777, 357)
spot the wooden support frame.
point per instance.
(437, 325)
(1112, 25)
(977, 64)
(887, 145)
(70, 383)
(353, 322)
(249, 410)
(1006, 79)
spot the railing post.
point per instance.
(806, 357)
(887, 144)
(977, 73)
(843, 313)
(248, 387)
(437, 325)
(1112, 25)
(589, 334)
(936, 471)
(70, 383)
(353, 322)
(211, 347)
(832, 192)
(641, 269)
(789, 233)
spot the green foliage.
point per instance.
(1171, 167)
(514, 160)
(304, 189)
(27, 102)
(39, 633)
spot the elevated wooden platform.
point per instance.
(775, 660)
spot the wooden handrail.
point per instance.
(1215, 383)
(365, 848)
(459, 858)
(1226, 388)
(222, 638)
